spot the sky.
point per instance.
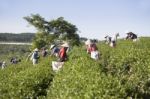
(93, 18)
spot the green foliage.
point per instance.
(121, 73)
(9, 51)
(52, 30)
(42, 39)
(25, 80)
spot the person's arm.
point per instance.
(30, 55)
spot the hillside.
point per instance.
(121, 73)
(22, 37)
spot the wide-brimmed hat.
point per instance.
(88, 42)
(52, 46)
(36, 49)
(65, 45)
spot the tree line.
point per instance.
(20, 37)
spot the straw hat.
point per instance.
(52, 46)
(65, 45)
(36, 50)
(88, 42)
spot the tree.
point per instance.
(48, 31)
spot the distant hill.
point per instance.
(11, 37)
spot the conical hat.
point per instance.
(36, 49)
(52, 46)
(88, 42)
(65, 45)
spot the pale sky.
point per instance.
(94, 18)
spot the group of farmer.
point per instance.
(13, 60)
(60, 52)
(112, 41)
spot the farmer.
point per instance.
(13, 60)
(131, 35)
(56, 65)
(35, 56)
(107, 39)
(44, 52)
(92, 50)
(114, 40)
(88, 44)
(63, 52)
(3, 64)
(54, 50)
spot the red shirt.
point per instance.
(62, 53)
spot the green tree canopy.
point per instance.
(48, 31)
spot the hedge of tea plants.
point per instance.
(121, 73)
(25, 81)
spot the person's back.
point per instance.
(127, 37)
(44, 53)
(35, 55)
(3, 64)
(62, 54)
(107, 39)
(133, 36)
(13, 60)
(56, 50)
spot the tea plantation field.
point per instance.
(121, 73)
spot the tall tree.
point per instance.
(48, 31)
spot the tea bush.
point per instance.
(121, 73)
(25, 80)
